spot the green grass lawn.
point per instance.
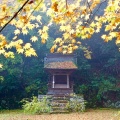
(90, 114)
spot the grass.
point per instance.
(98, 114)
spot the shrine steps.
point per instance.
(58, 104)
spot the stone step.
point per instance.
(59, 108)
(60, 98)
(58, 104)
(59, 101)
(60, 95)
(59, 111)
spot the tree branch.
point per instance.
(66, 4)
(96, 11)
(93, 14)
(14, 16)
(89, 7)
(35, 9)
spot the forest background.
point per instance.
(98, 74)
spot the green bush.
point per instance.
(76, 104)
(35, 106)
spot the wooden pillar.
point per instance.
(53, 86)
(68, 81)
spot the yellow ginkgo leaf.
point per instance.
(36, 25)
(30, 52)
(43, 41)
(88, 56)
(19, 24)
(64, 51)
(62, 28)
(72, 31)
(8, 46)
(52, 49)
(20, 51)
(49, 12)
(33, 52)
(68, 28)
(2, 37)
(93, 24)
(24, 31)
(1, 66)
(38, 18)
(97, 30)
(75, 47)
(27, 53)
(9, 54)
(58, 40)
(59, 50)
(117, 42)
(44, 35)
(108, 27)
(32, 17)
(62, 21)
(20, 41)
(113, 34)
(2, 51)
(4, 7)
(17, 31)
(73, 41)
(40, 31)
(87, 17)
(45, 28)
(66, 35)
(27, 46)
(18, 46)
(103, 36)
(34, 39)
(15, 37)
(30, 26)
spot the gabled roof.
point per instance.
(60, 65)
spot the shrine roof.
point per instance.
(61, 65)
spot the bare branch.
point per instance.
(35, 9)
(14, 16)
(93, 14)
(96, 11)
(89, 7)
(66, 3)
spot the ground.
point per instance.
(101, 114)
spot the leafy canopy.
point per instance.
(75, 19)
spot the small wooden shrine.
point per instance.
(60, 68)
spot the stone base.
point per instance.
(61, 103)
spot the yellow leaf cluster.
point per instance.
(9, 54)
(27, 46)
(73, 19)
(34, 39)
(30, 52)
(43, 34)
(1, 66)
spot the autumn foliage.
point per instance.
(75, 19)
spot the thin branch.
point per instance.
(30, 15)
(66, 4)
(89, 7)
(97, 10)
(88, 22)
(14, 16)
(35, 9)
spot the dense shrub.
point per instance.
(76, 104)
(35, 106)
